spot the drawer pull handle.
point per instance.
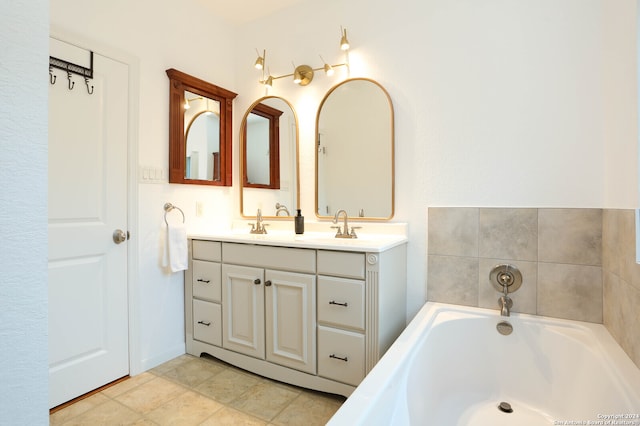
(267, 283)
(333, 302)
(256, 281)
(200, 280)
(204, 323)
(334, 356)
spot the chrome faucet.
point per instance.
(506, 279)
(344, 232)
(258, 227)
(505, 301)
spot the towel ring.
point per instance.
(167, 208)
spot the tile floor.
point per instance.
(200, 391)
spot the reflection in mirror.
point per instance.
(202, 119)
(200, 122)
(354, 156)
(262, 147)
(269, 159)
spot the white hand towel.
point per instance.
(177, 251)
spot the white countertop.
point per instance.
(372, 237)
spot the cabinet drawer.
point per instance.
(207, 322)
(207, 280)
(206, 250)
(283, 258)
(341, 302)
(342, 264)
(340, 355)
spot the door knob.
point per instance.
(119, 236)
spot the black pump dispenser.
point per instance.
(299, 223)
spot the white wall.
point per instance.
(23, 213)
(498, 103)
(620, 104)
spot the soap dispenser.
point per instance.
(299, 223)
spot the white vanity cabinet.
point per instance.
(303, 314)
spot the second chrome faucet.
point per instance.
(344, 232)
(258, 227)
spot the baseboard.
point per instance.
(149, 363)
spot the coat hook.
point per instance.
(89, 90)
(52, 77)
(71, 83)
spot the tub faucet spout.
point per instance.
(505, 306)
(505, 302)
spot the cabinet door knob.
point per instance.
(256, 281)
(333, 302)
(267, 283)
(204, 323)
(204, 281)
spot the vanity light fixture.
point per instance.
(344, 42)
(303, 74)
(259, 64)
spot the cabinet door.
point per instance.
(291, 319)
(243, 310)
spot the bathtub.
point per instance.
(451, 366)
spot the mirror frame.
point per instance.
(273, 115)
(178, 83)
(243, 155)
(392, 157)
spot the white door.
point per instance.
(88, 315)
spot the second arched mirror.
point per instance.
(355, 150)
(269, 172)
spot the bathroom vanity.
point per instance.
(309, 310)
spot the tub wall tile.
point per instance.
(570, 291)
(571, 236)
(629, 271)
(453, 231)
(610, 247)
(508, 233)
(513, 235)
(621, 295)
(454, 280)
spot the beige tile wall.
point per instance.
(621, 278)
(576, 263)
(558, 252)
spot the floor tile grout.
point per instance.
(182, 386)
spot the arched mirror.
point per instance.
(200, 123)
(355, 151)
(269, 159)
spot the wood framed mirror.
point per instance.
(200, 131)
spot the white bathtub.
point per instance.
(451, 367)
